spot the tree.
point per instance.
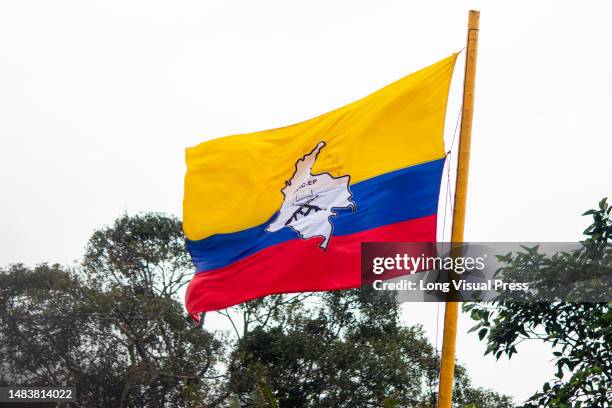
(137, 267)
(113, 328)
(144, 252)
(579, 332)
(341, 349)
(46, 339)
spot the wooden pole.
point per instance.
(447, 365)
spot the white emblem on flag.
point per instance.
(310, 200)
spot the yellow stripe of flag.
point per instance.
(234, 183)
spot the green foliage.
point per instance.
(465, 394)
(342, 349)
(111, 328)
(115, 328)
(580, 333)
(143, 252)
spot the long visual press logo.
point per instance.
(310, 200)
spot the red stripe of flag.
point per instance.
(297, 266)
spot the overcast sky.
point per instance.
(98, 100)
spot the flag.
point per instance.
(286, 210)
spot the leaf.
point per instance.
(482, 333)
(474, 328)
(603, 203)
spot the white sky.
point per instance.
(98, 100)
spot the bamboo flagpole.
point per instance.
(447, 365)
